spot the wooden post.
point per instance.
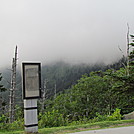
(30, 115)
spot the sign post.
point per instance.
(31, 77)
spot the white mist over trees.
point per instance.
(71, 30)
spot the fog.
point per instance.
(75, 31)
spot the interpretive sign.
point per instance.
(31, 80)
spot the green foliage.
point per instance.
(100, 118)
(1, 86)
(51, 119)
(97, 96)
(54, 119)
(2, 101)
(100, 92)
(115, 116)
(84, 127)
(3, 118)
(16, 125)
(19, 112)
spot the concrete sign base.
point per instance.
(30, 115)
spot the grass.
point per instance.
(11, 132)
(77, 128)
(84, 127)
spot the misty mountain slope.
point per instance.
(64, 75)
(59, 76)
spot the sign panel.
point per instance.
(31, 80)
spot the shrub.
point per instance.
(16, 125)
(51, 119)
(115, 116)
(3, 118)
(100, 117)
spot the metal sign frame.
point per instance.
(31, 80)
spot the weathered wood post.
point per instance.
(31, 76)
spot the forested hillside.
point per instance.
(97, 96)
(64, 75)
(80, 93)
(58, 76)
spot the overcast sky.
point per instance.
(72, 30)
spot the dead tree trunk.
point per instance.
(12, 90)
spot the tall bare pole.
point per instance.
(12, 89)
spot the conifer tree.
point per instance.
(131, 64)
(2, 89)
(1, 86)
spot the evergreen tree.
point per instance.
(2, 89)
(1, 86)
(131, 62)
